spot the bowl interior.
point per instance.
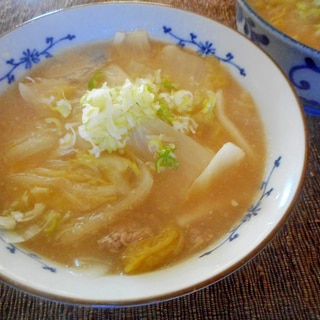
(280, 111)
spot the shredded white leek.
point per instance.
(110, 113)
(37, 210)
(209, 104)
(7, 222)
(62, 106)
(68, 141)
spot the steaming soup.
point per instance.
(298, 19)
(126, 164)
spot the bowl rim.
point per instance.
(220, 275)
(285, 37)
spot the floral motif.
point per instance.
(13, 249)
(252, 211)
(204, 48)
(248, 29)
(294, 72)
(309, 65)
(30, 57)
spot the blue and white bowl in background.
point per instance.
(299, 62)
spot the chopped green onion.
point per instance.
(167, 84)
(166, 158)
(97, 80)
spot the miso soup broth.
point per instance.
(126, 156)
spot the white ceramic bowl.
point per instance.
(300, 63)
(284, 125)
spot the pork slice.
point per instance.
(117, 240)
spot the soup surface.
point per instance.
(124, 163)
(298, 19)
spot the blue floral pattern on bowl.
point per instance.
(306, 89)
(14, 249)
(204, 48)
(252, 211)
(304, 85)
(30, 57)
(248, 29)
